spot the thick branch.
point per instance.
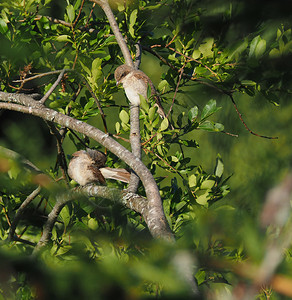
(135, 139)
(131, 200)
(158, 225)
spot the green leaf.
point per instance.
(207, 184)
(118, 127)
(174, 158)
(132, 20)
(89, 104)
(92, 224)
(211, 126)
(63, 38)
(236, 50)
(275, 53)
(164, 124)
(70, 12)
(209, 109)
(152, 113)
(144, 103)
(206, 47)
(162, 85)
(192, 180)
(261, 48)
(159, 149)
(109, 40)
(219, 167)
(96, 69)
(248, 82)
(196, 54)
(85, 68)
(257, 47)
(65, 215)
(3, 26)
(193, 113)
(253, 45)
(202, 197)
(124, 117)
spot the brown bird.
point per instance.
(135, 83)
(89, 167)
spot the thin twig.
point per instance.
(212, 86)
(138, 55)
(61, 160)
(54, 20)
(78, 138)
(228, 133)
(79, 13)
(176, 89)
(58, 80)
(43, 75)
(90, 14)
(17, 239)
(121, 138)
(50, 91)
(243, 122)
(163, 160)
(98, 105)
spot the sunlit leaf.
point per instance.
(124, 117)
(209, 109)
(70, 12)
(164, 124)
(193, 113)
(202, 197)
(132, 20)
(3, 26)
(207, 184)
(219, 167)
(192, 180)
(118, 127)
(206, 47)
(63, 38)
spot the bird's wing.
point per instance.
(97, 174)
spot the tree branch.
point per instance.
(52, 88)
(21, 210)
(135, 140)
(138, 55)
(115, 28)
(243, 122)
(158, 225)
(62, 200)
(134, 111)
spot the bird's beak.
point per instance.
(118, 83)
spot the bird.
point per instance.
(135, 83)
(88, 166)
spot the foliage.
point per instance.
(100, 250)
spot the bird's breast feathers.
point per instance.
(134, 86)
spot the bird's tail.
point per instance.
(116, 174)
